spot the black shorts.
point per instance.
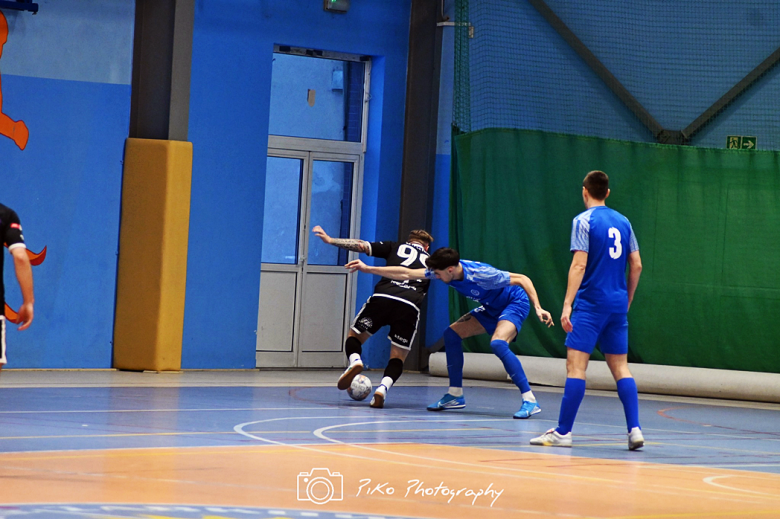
(401, 315)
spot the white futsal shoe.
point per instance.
(635, 439)
(354, 369)
(378, 402)
(553, 439)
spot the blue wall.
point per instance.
(66, 74)
(229, 114)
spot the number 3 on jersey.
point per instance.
(617, 250)
(409, 254)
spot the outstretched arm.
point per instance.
(576, 273)
(24, 277)
(397, 273)
(525, 282)
(348, 244)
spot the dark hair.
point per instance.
(597, 184)
(443, 258)
(420, 235)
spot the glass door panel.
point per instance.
(284, 177)
(331, 203)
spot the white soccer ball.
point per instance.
(360, 388)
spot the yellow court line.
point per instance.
(724, 449)
(122, 435)
(195, 433)
(92, 411)
(742, 513)
(432, 429)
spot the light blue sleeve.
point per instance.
(487, 277)
(633, 245)
(580, 233)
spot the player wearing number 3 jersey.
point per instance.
(393, 303)
(603, 242)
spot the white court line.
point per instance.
(459, 465)
(222, 409)
(711, 481)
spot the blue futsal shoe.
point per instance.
(448, 402)
(527, 410)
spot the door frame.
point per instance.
(310, 150)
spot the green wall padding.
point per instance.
(707, 221)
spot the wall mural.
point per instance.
(14, 130)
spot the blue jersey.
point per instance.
(608, 238)
(487, 285)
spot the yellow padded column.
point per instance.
(152, 271)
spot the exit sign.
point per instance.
(738, 142)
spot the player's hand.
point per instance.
(545, 317)
(320, 232)
(356, 266)
(566, 318)
(25, 316)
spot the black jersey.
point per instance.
(409, 255)
(11, 231)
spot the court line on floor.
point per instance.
(514, 472)
(220, 409)
(711, 481)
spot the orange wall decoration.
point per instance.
(14, 130)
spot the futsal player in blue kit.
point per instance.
(506, 299)
(603, 242)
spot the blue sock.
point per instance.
(511, 364)
(573, 393)
(627, 392)
(454, 351)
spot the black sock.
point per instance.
(394, 369)
(353, 345)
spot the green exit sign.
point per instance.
(738, 142)
(336, 6)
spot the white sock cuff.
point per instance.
(455, 391)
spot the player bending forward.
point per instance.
(504, 297)
(393, 303)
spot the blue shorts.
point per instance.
(515, 313)
(610, 331)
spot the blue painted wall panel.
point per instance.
(66, 187)
(229, 113)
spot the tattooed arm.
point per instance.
(348, 244)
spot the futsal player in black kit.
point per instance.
(393, 303)
(11, 232)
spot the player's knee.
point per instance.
(499, 347)
(451, 336)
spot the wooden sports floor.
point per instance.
(288, 444)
